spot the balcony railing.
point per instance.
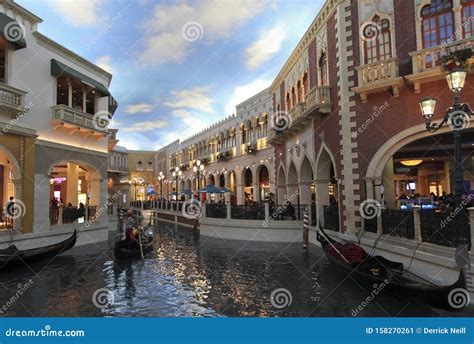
(66, 115)
(426, 59)
(11, 97)
(318, 97)
(378, 71)
(118, 168)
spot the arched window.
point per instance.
(323, 70)
(377, 40)
(305, 84)
(437, 23)
(299, 91)
(294, 101)
(468, 18)
(150, 166)
(139, 165)
(288, 102)
(244, 135)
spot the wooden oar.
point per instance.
(328, 239)
(141, 247)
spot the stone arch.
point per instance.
(281, 185)
(262, 175)
(324, 173)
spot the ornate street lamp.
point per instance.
(198, 169)
(161, 177)
(457, 117)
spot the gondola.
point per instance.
(12, 256)
(124, 248)
(387, 276)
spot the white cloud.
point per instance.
(146, 126)
(104, 62)
(164, 41)
(78, 13)
(139, 108)
(267, 45)
(244, 92)
(194, 98)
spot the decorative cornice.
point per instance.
(10, 4)
(308, 37)
(48, 43)
(70, 148)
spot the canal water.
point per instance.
(192, 275)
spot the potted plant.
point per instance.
(455, 60)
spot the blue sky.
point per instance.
(178, 66)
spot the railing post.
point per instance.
(60, 215)
(305, 228)
(228, 211)
(203, 209)
(471, 225)
(417, 222)
(379, 221)
(267, 211)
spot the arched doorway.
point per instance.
(10, 186)
(248, 186)
(281, 185)
(263, 183)
(211, 180)
(327, 206)
(306, 179)
(221, 181)
(73, 185)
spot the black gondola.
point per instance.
(125, 248)
(386, 275)
(13, 256)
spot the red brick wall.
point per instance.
(313, 64)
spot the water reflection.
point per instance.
(192, 275)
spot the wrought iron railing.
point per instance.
(216, 210)
(398, 223)
(445, 228)
(247, 212)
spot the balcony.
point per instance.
(112, 142)
(427, 62)
(378, 77)
(117, 168)
(11, 98)
(317, 102)
(73, 121)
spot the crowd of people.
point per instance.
(444, 202)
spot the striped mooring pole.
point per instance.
(305, 229)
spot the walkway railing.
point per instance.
(436, 229)
(216, 210)
(64, 215)
(247, 212)
(398, 223)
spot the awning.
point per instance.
(60, 69)
(12, 31)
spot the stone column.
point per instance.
(458, 29)
(72, 171)
(227, 185)
(417, 222)
(256, 192)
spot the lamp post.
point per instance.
(198, 169)
(457, 117)
(161, 177)
(176, 174)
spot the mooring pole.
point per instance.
(305, 228)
